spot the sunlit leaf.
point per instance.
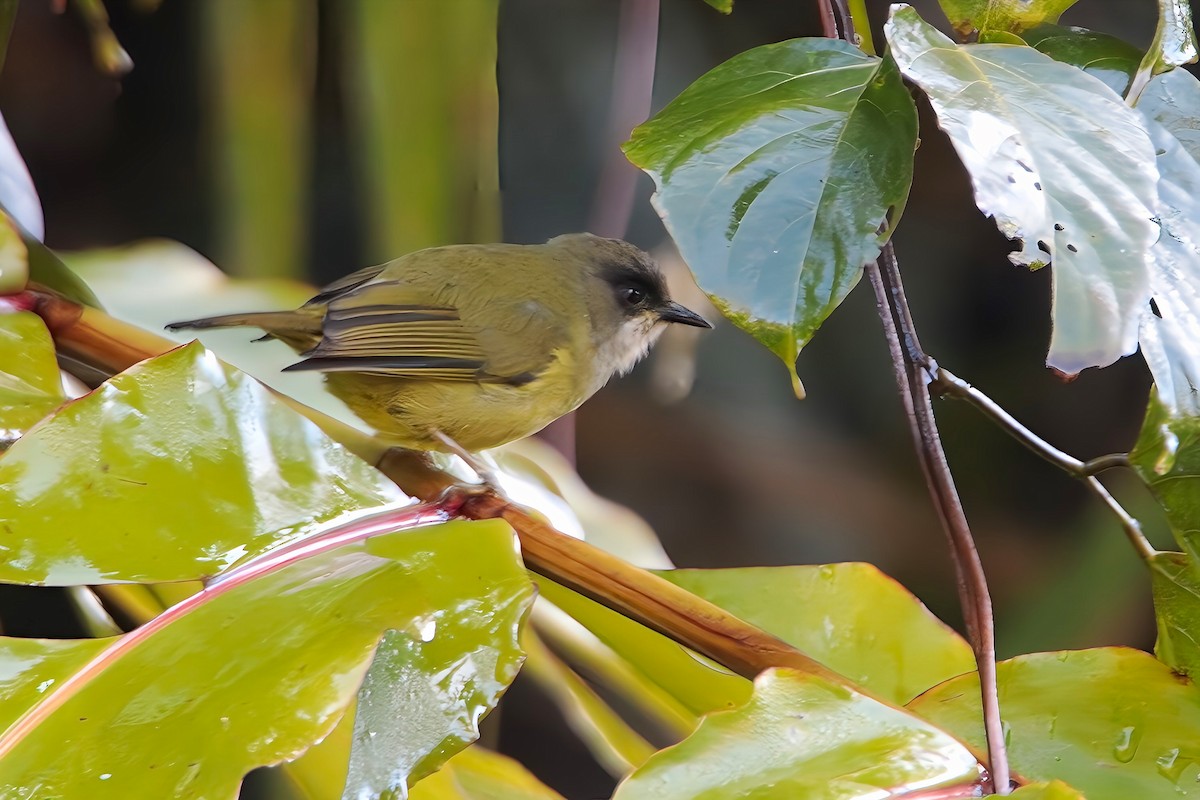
(1114, 723)
(1002, 15)
(1170, 332)
(1167, 458)
(1100, 55)
(1177, 612)
(1062, 164)
(255, 669)
(850, 617)
(724, 6)
(479, 774)
(1175, 37)
(800, 736)
(184, 464)
(30, 386)
(780, 173)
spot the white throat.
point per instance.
(619, 353)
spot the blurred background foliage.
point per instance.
(304, 139)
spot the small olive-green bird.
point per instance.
(467, 347)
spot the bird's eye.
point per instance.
(632, 295)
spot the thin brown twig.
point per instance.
(914, 370)
(949, 384)
(917, 369)
(829, 25)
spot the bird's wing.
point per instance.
(398, 329)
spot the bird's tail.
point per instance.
(270, 321)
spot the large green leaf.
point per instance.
(480, 774)
(173, 470)
(261, 664)
(780, 173)
(803, 737)
(850, 617)
(1002, 15)
(1101, 55)
(1114, 723)
(1167, 458)
(30, 386)
(1062, 164)
(1177, 612)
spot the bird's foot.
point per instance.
(486, 475)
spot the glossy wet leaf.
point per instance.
(1114, 723)
(1054, 790)
(1170, 333)
(30, 386)
(1002, 15)
(184, 464)
(1175, 37)
(480, 774)
(1167, 458)
(257, 668)
(800, 736)
(1100, 55)
(850, 617)
(780, 173)
(1062, 164)
(1177, 612)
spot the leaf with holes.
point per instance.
(1012, 16)
(1062, 164)
(780, 173)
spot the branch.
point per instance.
(98, 341)
(947, 383)
(912, 369)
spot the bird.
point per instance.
(464, 348)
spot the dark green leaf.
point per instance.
(181, 466)
(30, 386)
(1177, 611)
(1012, 16)
(258, 667)
(1100, 55)
(1062, 164)
(1167, 457)
(802, 737)
(1114, 723)
(780, 173)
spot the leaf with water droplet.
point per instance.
(780, 173)
(1098, 720)
(1167, 458)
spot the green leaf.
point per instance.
(1105, 57)
(1177, 612)
(30, 386)
(724, 6)
(1054, 790)
(801, 736)
(14, 258)
(1013, 16)
(479, 774)
(780, 173)
(1167, 458)
(47, 269)
(1114, 723)
(1175, 37)
(1062, 164)
(850, 617)
(184, 465)
(261, 664)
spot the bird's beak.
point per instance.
(673, 312)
